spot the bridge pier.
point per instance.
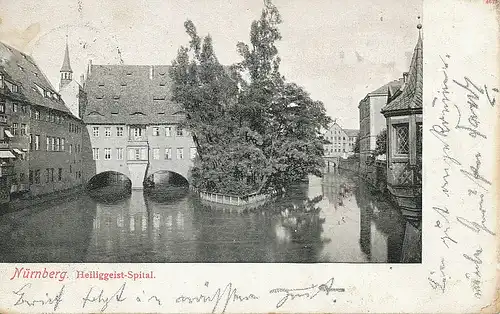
(137, 173)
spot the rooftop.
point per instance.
(410, 97)
(130, 94)
(34, 87)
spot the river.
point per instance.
(332, 219)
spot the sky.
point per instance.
(337, 50)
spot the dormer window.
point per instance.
(15, 89)
(98, 97)
(137, 113)
(123, 84)
(116, 97)
(101, 84)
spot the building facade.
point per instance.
(341, 141)
(372, 122)
(38, 129)
(133, 125)
(404, 117)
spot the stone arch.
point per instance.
(166, 177)
(106, 178)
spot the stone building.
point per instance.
(372, 122)
(342, 141)
(404, 117)
(133, 124)
(41, 138)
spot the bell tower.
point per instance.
(66, 72)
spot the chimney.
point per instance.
(82, 79)
(405, 77)
(89, 69)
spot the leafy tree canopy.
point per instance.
(254, 131)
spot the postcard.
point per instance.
(248, 156)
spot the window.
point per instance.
(37, 142)
(156, 131)
(14, 129)
(137, 132)
(156, 153)
(107, 153)
(53, 143)
(15, 107)
(30, 177)
(62, 145)
(168, 131)
(52, 174)
(119, 153)
(37, 176)
(95, 131)
(180, 153)
(31, 142)
(48, 144)
(107, 131)
(180, 132)
(192, 152)
(47, 179)
(168, 153)
(59, 174)
(58, 144)
(70, 148)
(402, 138)
(24, 129)
(2, 106)
(37, 114)
(95, 153)
(119, 131)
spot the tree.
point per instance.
(381, 143)
(253, 130)
(356, 145)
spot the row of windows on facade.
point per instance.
(36, 114)
(338, 138)
(11, 86)
(142, 153)
(336, 150)
(137, 132)
(54, 144)
(50, 176)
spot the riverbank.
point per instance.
(27, 201)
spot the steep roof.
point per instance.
(351, 132)
(411, 93)
(130, 94)
(23, 71)
(384, 90)
(66, 66)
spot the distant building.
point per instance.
(371, 121)
(133, 124)
(342, 141)
(41, 142)
(71, 91)
(404, 139)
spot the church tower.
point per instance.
(66, 72)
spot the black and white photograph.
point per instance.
(250, 156)
(265, 135)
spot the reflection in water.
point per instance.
(330, 219)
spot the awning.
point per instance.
(6, 154)
(17, 151)
(7, 132)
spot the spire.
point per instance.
(66, 67)
(411, 95)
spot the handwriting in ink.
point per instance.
(305, 293)
(472, 225)
(444, 225)
(99, 297)
(226, 295)
(438, 283)
(52, 300)
(474, 173)
(475, 276)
